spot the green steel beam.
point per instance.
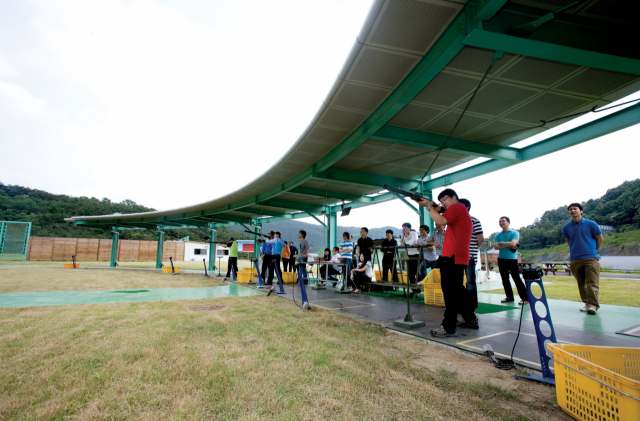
(260, 212)
(330, 194)
(486, 9)
(436, 141)
(319, 221)
(547, 51)
(377, 199)
(608, 124)
(294, 206)
(365, 179)
(406, 202)
(299, 215)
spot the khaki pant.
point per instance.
(587, 273)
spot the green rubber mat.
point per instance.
(486, 308)
(60, 298)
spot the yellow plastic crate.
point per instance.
(245, 277)
(250, 270)
(289, 277)
(70, 265)
(583, 397)
(433, 295)
(167, 269)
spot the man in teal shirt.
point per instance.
(507, 242)
(233, 257)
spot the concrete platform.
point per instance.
(497, 328)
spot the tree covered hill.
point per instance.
(46, 212)
(618, 207)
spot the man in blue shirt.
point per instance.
(277, 246)
(585, 239)
(507, 242)
(346, 251)
(266, 255)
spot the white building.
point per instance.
(197, 251)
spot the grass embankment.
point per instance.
(618, 239)
(32, 279)
(620, 292)
(254, 358)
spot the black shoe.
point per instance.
(506, 300)
(442, 333)
(471, 324)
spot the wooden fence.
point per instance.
(47, 248)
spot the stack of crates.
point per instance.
(432, 285)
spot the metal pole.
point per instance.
(332, 229)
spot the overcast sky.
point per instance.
(171, 103)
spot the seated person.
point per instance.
(363, 273)
(335, 269)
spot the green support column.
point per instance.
(212, 249)
(332, 229)
(159, 249)
(114, 247)
(256, 251)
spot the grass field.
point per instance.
(620, 292)
(25, 279)
(249, 358)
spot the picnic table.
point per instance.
(551, 267)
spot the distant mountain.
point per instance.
(316, 234)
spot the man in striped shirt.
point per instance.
(346, 252)
(477, 237)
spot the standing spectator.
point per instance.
(428, 252)
(233, 257)
(437, 241)
(266, 257)
(477, 237)
(304, 254)
(293, 252)
(585, 239)
(365, 244)
(410, 238)
(285, 257)
(387, 257)
(507, 242)
(453, 261)
(346, 251)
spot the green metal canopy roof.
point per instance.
(401, 104)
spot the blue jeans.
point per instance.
(422, 271)
(347, 271)
(472, 289)
(303, 268)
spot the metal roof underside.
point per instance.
(409, 76)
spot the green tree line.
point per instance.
(47, 212)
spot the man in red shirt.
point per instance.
(453, 262)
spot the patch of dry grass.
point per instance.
(39, 279)
(255, 358)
